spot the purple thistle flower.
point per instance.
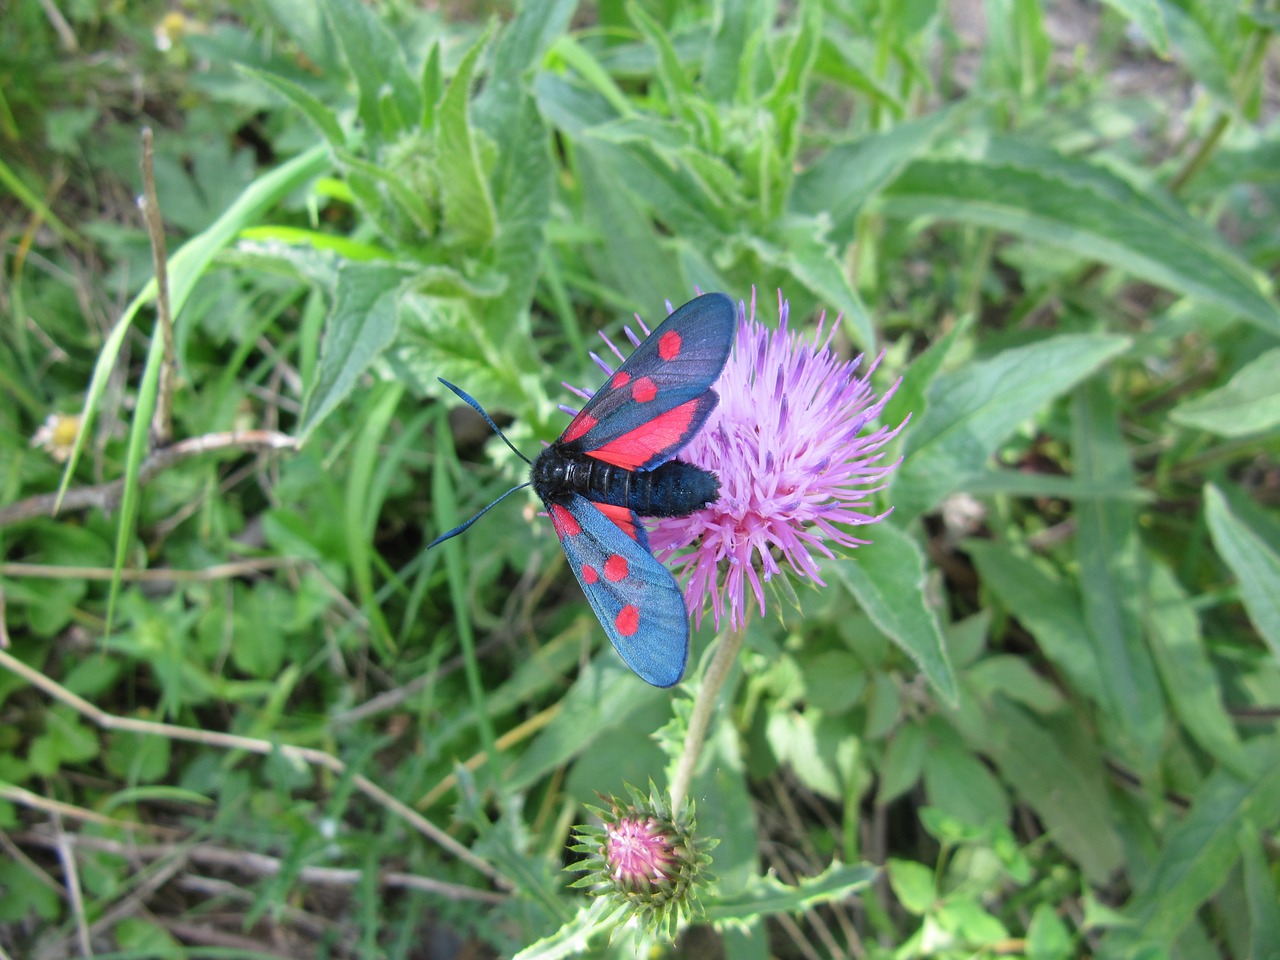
(795, 469)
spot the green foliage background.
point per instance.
(241, 710)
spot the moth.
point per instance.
(615, 463)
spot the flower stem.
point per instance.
(708, 693)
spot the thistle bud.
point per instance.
(644, 858)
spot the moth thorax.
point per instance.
(673, 489)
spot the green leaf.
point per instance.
(1108, 554)
(973, 409)
(1248, 403)
(65, 740)
(143, 937)
(136, 757)
(958, 783)
(799, 247)
(1255, 565)
(1041, 195)
(1200, 850)
(793, 740)
(903, 763)
(362, 325)
(1208, 56)
(605, 695)
(1191, 685)
(324, 119)
(573, 937)
(524, 186)
(765, 895)
(27, 893)
(1260, 889)
(1043, 603)
(1060, 775)
(840, 181)
(468, 205)
(969, 922)
(913, 885)
(1148, 15)
(1015, 483)
(632, 259)
(887, 579)
(1047, 936)
(521, 46)
(377, 65)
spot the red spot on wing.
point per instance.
(621, 517)
(636, 447)
(628, 620)
(644, 390)
(564, 523)
(620, 379)
(669, 345)
(615, 568)
(589, 574)
(580, 425)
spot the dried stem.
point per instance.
(210, 855)
(229, 741)
(106, 496)
(162, 419)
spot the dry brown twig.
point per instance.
(227, 741)
(162, 418)
(212, 855)
(106, 496)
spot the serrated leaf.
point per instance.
(573, 938)
(1044, 196)
(521, 46)
(377, 65)
(362, 325)
(973, 409)
(1255, 565)
(1248, 403)
(887, 579)
(765, 895)
(524, 187)
(468, 206)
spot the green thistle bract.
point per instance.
(644, 858)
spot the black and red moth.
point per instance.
(614, 464)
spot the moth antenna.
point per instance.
(467, 399)
(462, 527)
